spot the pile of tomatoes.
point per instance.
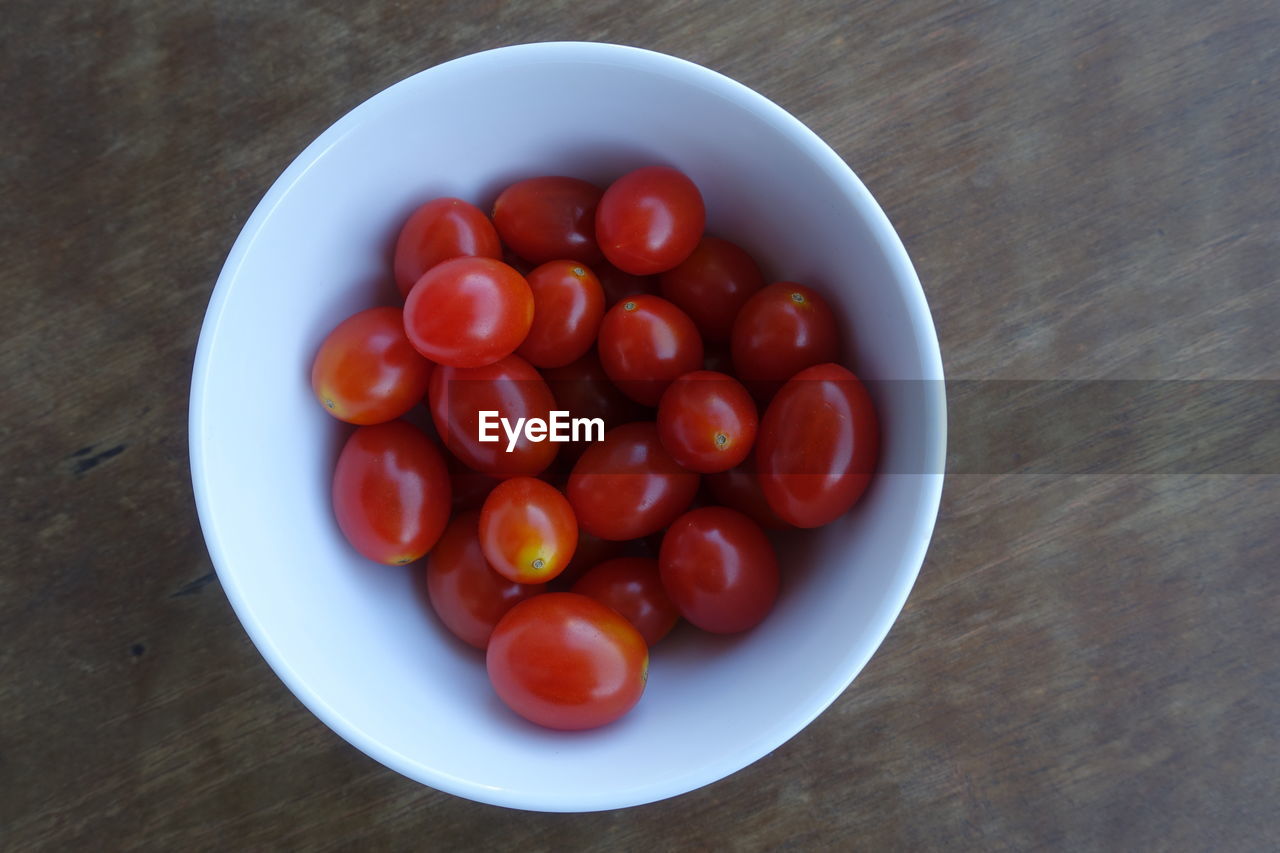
(565, 561)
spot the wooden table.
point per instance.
(1091, 657)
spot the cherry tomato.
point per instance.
(549, 218)
(739, 488)
(780, 331)
(510, 387)
(366, 371)
(818, 446)
(631, 586)
(391, 492)
(645, 344)
(628, 486)
(468, 595)
(707, 421)
(527, 530)
(567, 308)
(719, 569)
(618, 285)
(565, 661)
(468, 312)
(712, 285)
(649, 220)
(439, 230)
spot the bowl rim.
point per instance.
(919, 531)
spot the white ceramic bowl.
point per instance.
(356, 641)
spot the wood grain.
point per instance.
(1089, 191)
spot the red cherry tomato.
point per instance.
(739, 488)
(631, 586)
(439, 230)
(468, 595)
(719, 569)
(649, 220)
(468, 312)
(391, 492)
(618, 285)
(712, 285)
(645, 344)
(549, 218)
(527, 530)
(628, 486)
(567, 308)
(818, 446)
(366, 371)
(565, 661)
(510, 387)
(707, 421)
(780, 331)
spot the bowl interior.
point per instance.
(356, 641)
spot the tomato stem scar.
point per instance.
(797, 297)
